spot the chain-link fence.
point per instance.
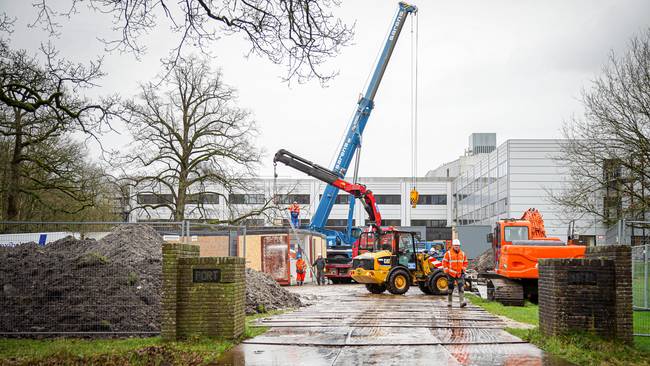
(72, 278)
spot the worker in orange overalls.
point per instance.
(455, 264)
(301, 268)
(294, 210)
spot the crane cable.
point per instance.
(414, 195)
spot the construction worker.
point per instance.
(294, 210)
(319, 264)
(455, 265)
(301, 268)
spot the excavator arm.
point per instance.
(323, 174)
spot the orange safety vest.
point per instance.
(300, 265)
(454, 263)
(294, 208)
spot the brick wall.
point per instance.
(622, 257)
(194, 308)
(589, 294)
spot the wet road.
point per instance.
(346, 325)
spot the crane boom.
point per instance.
(325, 175)
(365, 105)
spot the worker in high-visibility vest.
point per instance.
(301, 268)
(294, 210)
(455, 265)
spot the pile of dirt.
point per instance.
(484, 262)
(113, 284)
(72, 285)
(263, 294)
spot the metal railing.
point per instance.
(82, 278)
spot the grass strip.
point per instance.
(529, 313)
(588, 349)
(578, 348)
(135, 351)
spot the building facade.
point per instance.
(484, 185)
(432, 214)
(518, 175)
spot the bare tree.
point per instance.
(192, 143)
(302, 34)
(40, 109)
(608, 149)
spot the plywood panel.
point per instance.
(213, 246)
(253, 251)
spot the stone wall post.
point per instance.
(592, 294)
(622, 257)
(201, 296)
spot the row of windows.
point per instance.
(429, 223)
(161, 199)
(260, 198)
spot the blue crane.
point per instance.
(338, 241)
(353, 136)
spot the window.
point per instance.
(515, 233)
(302, 199)
(390, 222)
(341, 199)
(202, 198)
(254, 222)
(339, 222)
(154, 198)
(429, 223)
(246, 199)
(388, 199)
(432, 199)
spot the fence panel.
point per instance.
(217, 240)
(641, 289)
(68, 278)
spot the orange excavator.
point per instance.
(517, 245)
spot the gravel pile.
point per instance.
(484, 262)
(264, 294)
(71, 285)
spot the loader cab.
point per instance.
(401, 244)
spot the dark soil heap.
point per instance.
(484, 262)
(264, 294)
(71, 285)
(109, 285)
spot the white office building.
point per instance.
(487, 183)
(517, 175)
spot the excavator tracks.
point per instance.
(505, 291)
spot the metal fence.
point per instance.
(641, 289)
(73, 278)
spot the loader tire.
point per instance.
(424, 287)
(399, 282)
(376, 288)
(439, 284)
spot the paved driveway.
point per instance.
(346, 325)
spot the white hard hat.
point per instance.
(432, 250)
(455, 242)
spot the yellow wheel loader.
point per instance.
(392, 263)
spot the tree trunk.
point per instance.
(181, 197)
(12, 212)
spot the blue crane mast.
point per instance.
(352, 139)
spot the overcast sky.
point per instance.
(516, 68)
